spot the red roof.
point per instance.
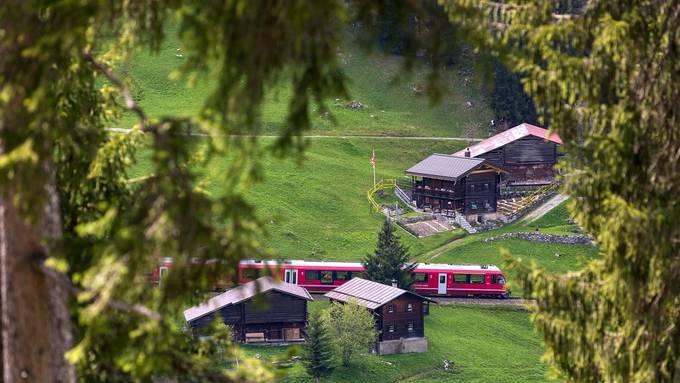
(508, 136)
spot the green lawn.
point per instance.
(390, 108)
(486, 344)
(318, 209)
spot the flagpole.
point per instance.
(373, 175)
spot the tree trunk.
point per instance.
(36, 326)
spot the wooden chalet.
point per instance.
(263, 310)
(526, 152)
(399, 314)
(449, 183)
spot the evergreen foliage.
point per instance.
(390, 261)
(511, 105)
(85, 236)
(351, 328)
(607, 73)
(318, 351)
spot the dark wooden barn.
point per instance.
(399, 314)
(526, 152)
(264, 310)
(447, 184)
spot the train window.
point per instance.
(251, 273)
(312, 275)
(501, 280)
(326, 277)
(343, 275)
(390, 308)
(409, 307)
(493, 279)
(460, 278)
(477, 279)
(410, 326)
(420, 277)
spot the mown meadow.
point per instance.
(485, 343)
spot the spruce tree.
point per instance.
(318, 352)
(390, 261)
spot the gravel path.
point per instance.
(482, 301)
(467, 301)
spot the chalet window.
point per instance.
(343, 275)
(473, 205)
(326, 277)
(501, 280)
(487, 205)
(390, 308)
(486, 187)
(420, 277)
(477, 279)
(409, 307)
(312, 275)
(410, 326)
(472, 188)
(390, 328)
(251, 273)
(460, 278)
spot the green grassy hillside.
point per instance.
(389, 108)
(486, 344)
(318, 209)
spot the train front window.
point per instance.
(501, 280)
(312, 275)
(343, 275)
(477, 279)
(420, 277)
(326, 277)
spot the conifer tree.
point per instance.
(390, 261)
(318, 355)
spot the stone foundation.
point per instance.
(402, 346)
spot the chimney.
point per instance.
(394, 282)
(467, 152)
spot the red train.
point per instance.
(321, 276)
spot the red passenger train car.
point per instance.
(321, 276)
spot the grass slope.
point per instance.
(318, 209)
(486, 344)
(389, 108)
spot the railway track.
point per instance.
(481, 301)
(466, 301)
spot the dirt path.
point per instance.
(546, 207)
(125, 130)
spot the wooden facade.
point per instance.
(527, 160)
(475, 193)
(402, 317)
(272, 315)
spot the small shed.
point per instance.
(263, 310)
(399, 314)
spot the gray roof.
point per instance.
(367, 293)
(242, 293)
(444, 166)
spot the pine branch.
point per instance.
(130, 103)
(65, 281)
